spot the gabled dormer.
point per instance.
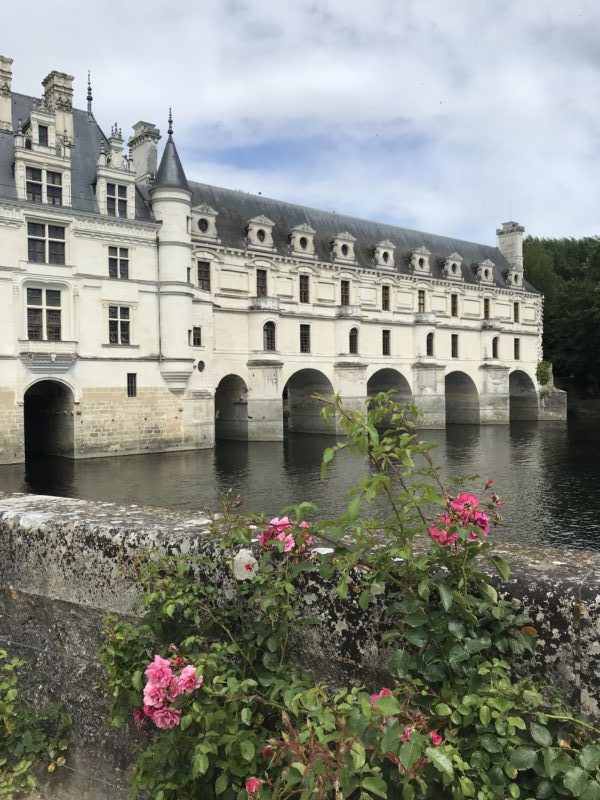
(419, 261)
(259, 233)
(514, 278)
(204, 223)
(302, 241)
(453, 267)
(342, 248)
(384, 254)
(484, 272)
(115, 179)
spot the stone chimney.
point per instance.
(143, 149)
(510, 244)
(5, 94)
(58, 97)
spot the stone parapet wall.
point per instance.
(63, 565)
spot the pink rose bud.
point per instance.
(267, 751)
(489, 484)
(253, 786)
(435, 738)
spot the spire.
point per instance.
(170, 171)
(89, 95)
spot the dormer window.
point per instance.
(514, 278)
(43, 135)
(384, 254)
(342, 247)
(453, 267)
(116, 200)
(420, 260)
(302, 240)
(259, 232)
(204, 222)
(485, 271)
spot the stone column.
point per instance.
(351, 385)
(265, 406)
(430, 393)
(199, 418)
(494, 399)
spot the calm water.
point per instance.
(548, 474)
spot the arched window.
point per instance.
(269, 336)
(430, 344)
(353, 341)
(495, 347)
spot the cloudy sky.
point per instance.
(440, 115)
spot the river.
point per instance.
(547, 473)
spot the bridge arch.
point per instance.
(231, 408)
(523, 397)
(462, 399)
(301, 412)
(48, 417)
(390, 380)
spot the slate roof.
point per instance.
(170, 171)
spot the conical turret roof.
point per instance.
(170, 172)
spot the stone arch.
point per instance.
(48, 417)
(231, 408)
(523, 398)
(462, 399)
(301, 412)
(390, 380)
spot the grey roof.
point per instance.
(235, 208)
(170, 171)
(87, 137)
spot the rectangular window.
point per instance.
(43, 135)
(454, 305)
(516, 312)
(196, 336)
(345, 293)
(33, 184)
(118, 262)
(304, 289)
(43, 315)
(204, 275)
(517, 349)
(421, 301)
(385, 342)
(54, 188)
(132, 384)
(45, 243)
(385, 298)
(486, 308)
(116, 200)
(118, 325)
(454, 345)
(305, 338)
(261, 282)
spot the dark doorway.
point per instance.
(301, 411)
(231, 409)
(48, 418)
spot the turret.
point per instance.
(6, 123)
(510, 244)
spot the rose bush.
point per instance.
(452, 721)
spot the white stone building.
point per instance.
(143, 312)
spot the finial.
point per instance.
(170, 131)
(89, 95)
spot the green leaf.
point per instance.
(410, 753)
(221, 783)
(457, 654)
(523, 757)
(376, 786)
(590, 756)
(358, 755)
(540, 734)
(199, 764)
(388, 706)
(247, 749)
(416, 636)
(445, 596)
(501, 566)
(354, 507)
(246, 716)
(545, 790)
(363, 600)
(491, 743)
(399, 664)
(591, 791)
(137, 680)
(440, 761)
(576, 781)
(485, 715)
(467, 787)
(443, 710)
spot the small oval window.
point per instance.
(421, 262)
(344, 249)
(454, 268)
(486, 274)
(516, 278)
(385, 257)
(260, 235)
(303, 242)
(203, 224)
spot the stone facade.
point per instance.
(144, 305)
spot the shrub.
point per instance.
(543, 372)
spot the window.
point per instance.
(454, 305)
(261, 282)
(385, 298)
(43, 135)
(516, 312)
(305, 338)
(421, 301)
(430, 344)
(495, 347)
(45, 243)
(385, 342)
(204, 275)
(116, 200)
(43, 315)
(33, 184)
(304, 289)
(118, 262)
(517, 349)
(203, 225)
(486, 308)
(454, 345)
(269, 336)
(353, 341)
(54, 188)
(132, 384)
(345, 293)
(196, 337)
(118, 325)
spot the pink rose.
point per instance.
(266, 537)
(435, 738)
(385, 692)
(154, 695)
(280, 524)
(465, 500)
(173, 691)
(268, 751)
(405, 735)
(139, 717)
(148, 711)
(159, 672)
(253, 786)
(166, 718)
(304, 525)
(188, 681)
(287, 539)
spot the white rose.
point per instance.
(245, 566)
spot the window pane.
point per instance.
(56, 252)
(112, 251)
(53, 297)
(124, 312)
(53, 326)
(54, 178)
(110, 188)
(124, 252)
(122, 208)
(55, 195)
(34, 297)
(124, 333)
(36, 250)
(122, 191)
(112, 268)
(113, 312)
(197, 337)
(33, 174)
(34, 192)
(111, 207)
(35, 229)
(43, 135)
(56, 232)
(124, 269)
(34, 324)
(113, 332)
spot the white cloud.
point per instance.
(440, 114)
